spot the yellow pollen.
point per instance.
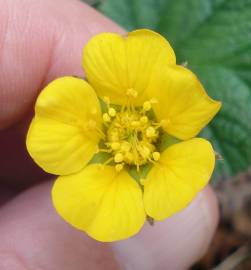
(150, 132)
(119, 167)
(144, 119)
(147, 106)
(118, 158)
(156, 156)
(115, 145)
(106, 117)
(131, 93)
(112, 112)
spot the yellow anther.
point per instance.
(147, 106)
(119, 167)
(131, 93)
(150, 132)
(118, 158)
(115, 145)
(144, 119)
(112, 112)
(106, 117)
(156, 156)
(135, 124)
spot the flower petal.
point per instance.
(59, 139)
(114, 64)
(184, 169)
(107, 205)
(182, 102)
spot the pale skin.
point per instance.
(39, 41)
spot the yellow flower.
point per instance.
(145, 97)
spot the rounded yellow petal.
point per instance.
(63, 135)
(182, 104)
(121, 66)
(101, 201)
(183, 170)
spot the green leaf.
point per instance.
(134, 14)
(214, 37)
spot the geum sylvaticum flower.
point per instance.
(135, 100)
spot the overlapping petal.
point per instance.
(105, 203)
(183, 170)
(115, 64)
(62, 137)
(182, 102)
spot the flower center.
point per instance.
(131, 135)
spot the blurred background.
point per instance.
(214, 38)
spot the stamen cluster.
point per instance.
(131, 135)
